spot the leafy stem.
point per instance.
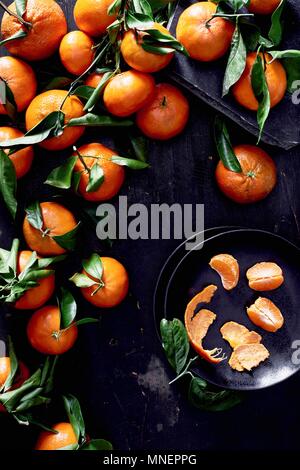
(26, 24)
(81, 158)
(226, 15)
(185, 371)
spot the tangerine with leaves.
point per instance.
(20, 79)
(47, 25)
(91, 16)
(276, 79)
(45, 227)
(76, 52)
(205, 37)
(165, 115)
(22, 159)
(113, 175)
(255, 182)
(22, 374)
(54, 100)
(36, 296)
(45, 334)
(137, 57)
(103, 282)
(263, 7)
(128, 92)
(63, 437)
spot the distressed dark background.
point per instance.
(118, 369)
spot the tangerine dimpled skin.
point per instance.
(139, 59)
(76, 53)
(263, 7)
(64, 437)
(116, 284)
(204, 38)
(265, 276)
(265, 314)
(91, 16)
(44, 332)
(22, 159)
(36, 296)
(128, 92)
(165, 115)
(21, 80)
(275, 77)
(44, 104)
(114, 174)
(48, 26)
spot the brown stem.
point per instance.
(81, 159)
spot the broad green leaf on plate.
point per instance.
(73, 410)
(175, 343)
(68, 308)
(61, 177)
(96, 178)
(68, 240)
(261, 92)
(275, 32)
(93, 266)
(81, 280)
(58, 83)
(34, 215)
(97, 444)
(207, 400)
(96, 120)
(236, 61)
(224, 147)
(129, 162)
(8, 183)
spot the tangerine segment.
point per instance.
(237, 334)
(248, 356)
(228, 269)
(265, 276)
(197, 325)
(265, 314)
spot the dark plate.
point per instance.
(192, 273)
(205, 81)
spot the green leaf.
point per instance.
(96, 120)
(96, 178)
(83, 91)
(287, 54)
(45, 262)
(11, 398)
(20, 7)
(113, 31)
(68, 240)
(208, 400)
(275, 33)
(73, 410)
(76, 177)
(93, 266)
(11, 260)
(36, 275)
(27, 418)
(114, 7)
(292, 68)
(30, 402)
(138, 21)
(139, 146)
(61, 177)
(175, 343)
(97, 444)
(18, 35)
(34, 215)
(86, 320)
(95, 95)
(47, 378)
(68, 308)
(13, 366)
(224, 147)
(251, 34)
(261, 92)
(58, 83)
(142, 6)
(129, 162)
(8, 100)
(81, 280)
(236, 61)
(157, 39)
(8, 183)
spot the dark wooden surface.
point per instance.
(117, 369)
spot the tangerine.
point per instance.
(76, 52)
(22, 159)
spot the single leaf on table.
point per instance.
(275, 32)
(68, 308)
(201, 397)
(61, 177)
(81, 280)
(96, 120)
(96, 178)
(97, 444)
(261, 92)
(93, 266)
(224, 147)
(73, 410)
(34, 215)
(8, 183)
(68, 240)
(236, 61)
(129, 162)
(175, 343)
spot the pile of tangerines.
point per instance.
(34, 30)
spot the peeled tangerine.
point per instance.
(265, 314)
(248, 352)
(228, 269)
(197, 324)
(265, 276)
